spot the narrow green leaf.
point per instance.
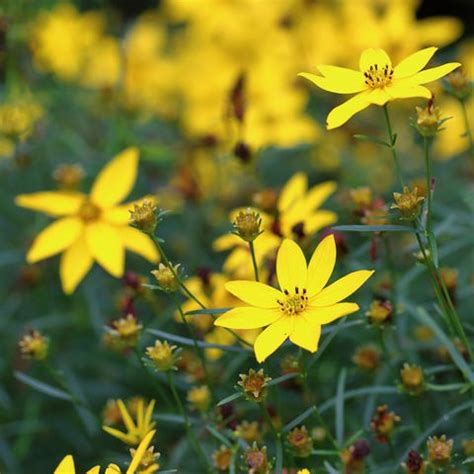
(299, 419)
(230, 398)
(374, 228)
(196, 312)
(448, 387)
(218, 436)
(283, 378)
(330, 469)
(279, 457)
(368, 138)
(325, 452)
(340, 407)
(42, 387)
(434, 249)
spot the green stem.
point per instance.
(277, 435)
(468, 128)
(392, 138)
(426, 145)
(189, 431)
(254, 260)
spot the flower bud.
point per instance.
(361, 197)
(68, 176)
(166, 278)
(125, 331)
(383, 423)
(222, 458)
(414, 463)
(254, 385)
(248, 431)
(353, 457)
(256, 460)
(33, 345)
(380, 312)
(412, 379)
(301, 442)
(247, 225)
(199, 398)
(459, 84)
(428, 120)
(439, 450)
(367, 358)
(148, 464)
(407, 203)
(162, 355)
(144, 216)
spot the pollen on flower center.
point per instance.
(89, 211)
(294, 303)
(377, 77)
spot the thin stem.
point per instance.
(468, 128)
(277, 435)
(254, 260)
(189, 431)
(426, 145)
(392, 138)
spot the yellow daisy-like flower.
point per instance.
(67, 466)
(377, 81)
(302, 306)
(136, 431)
(90, 227)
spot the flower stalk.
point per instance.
(392, 140)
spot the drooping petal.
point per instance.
(372, 57)
(434, 73)
(291, 266)
(53, 203)
(341, 288)
(105, 245)
(305, 334)
(248, 318)
(342, 113)
(55, 238)
(137, 457)
(328, 314)
(66, 466)
(270, 339)
(413, 63)
(293, 190)
(116, 180)
(407, 92)
(321, 265)
(255, 293)
(76, 261)
(139, 243)
(319, 193)
(337, 79)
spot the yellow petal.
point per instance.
(293, 190)
(255, 293)
(291, 266)
(149, 413)
(408, 92)
(270, 339)
(341, 114)
(305, 334)
(124, 437)
(439, 30)
(226, 242)
(112, 469)
(76, 261)
(337, 80)
(413, 63)
(248, 318)
(127, 419)
(94, 470)
(54, 203)
(318, 220)
(116, 180)
(430, 75)
(105, 245)
(341, 288)
(138, 242)
(142, 447)
(379, 96)
(66, 466)
(372, 57)
(54, 238)
(319, 193)
(321, 265)
(329, 314)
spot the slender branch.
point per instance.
(392, 139)
(254, 260)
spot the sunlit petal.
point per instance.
(142, 447)
(273, 337)
(414, 63)
(321, 265)
(53, 203)
(248, 318)
(254, 293)
(328, 314)
(407, 92)
(66, 466)
(341, 114)
(337, 79)
(139, 243)
(76, 261)
(372, 57)
(430, 75)
(305, 334)
(293, 190)
(291, 266)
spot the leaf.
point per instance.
(434, 249)
(447, 387)
(218, 436)
(230, 398)
(283, 378)
(368, 138)
(42, 387)
(196, 312)
(330, 469)
(299, 419)
(279, 457)
(423, 316)
(340, 407)
(374, 228)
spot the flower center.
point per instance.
(89, 212)
(377, 77)
(294, 303)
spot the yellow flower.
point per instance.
(301, 307)
(136, 431)
(90, 227)
(66, 466)
(377, 81)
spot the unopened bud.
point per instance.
(301, 442)
(256, 460)
(412, 379)
(144, 217)
(162, 355)
(439, 450)
(166, 278)
(33, 345)
(383, 423)
(254, 385)
(407, 203)
(247, 225)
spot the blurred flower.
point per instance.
(222, 458)
(383, 423)
(256, 460)
(407, 203)
(439, 450)
(428, 120)
(377, 82)
(126, 331)
(147, 464)
(33, 345)
(162, 355)
(137, 430)
(361, 197)
(17, 118)
(67, 466)
(199, 398)
(68, 176)
(90, 227)
(412, 379)
(254, 385)
(380, 312)
(301, 307)
(414, 463)
(468, 447)
(111, 414)
(165, 278)
(353, 457)
(249, 431)
(300, 441)
(367, 358)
